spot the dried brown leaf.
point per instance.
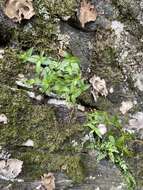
(98, 87)
(87, 13)
(19, 9)
(48, 181)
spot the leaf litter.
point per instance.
(98, 87)
(87, 13)
(48, 182)
(18, 10)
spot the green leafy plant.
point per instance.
(60, 77)
(113, 144)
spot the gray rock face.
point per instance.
(111, 48)
(6, 29)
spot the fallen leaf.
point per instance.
(10, 169)
(99, 87)
(19, 9)
(3, 119)
(87, 13)
(48, 181)
(125, 107)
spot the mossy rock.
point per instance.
(128, 8)
(28, 121)
(37, 162)
(10, 67)
(40, 124)
(41, 32)
(57, 7)
(104, 58)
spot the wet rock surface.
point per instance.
(111, 48)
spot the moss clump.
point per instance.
(104, 58)
(57, 7)
(40, 124)
(10, 67)
(103, 104)
(36, 122)
(39, 34)
(128, 9)
(37, 162)
(74, 168)
(109, 55)
(42, 32)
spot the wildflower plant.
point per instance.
(60, 77)
(113, 144)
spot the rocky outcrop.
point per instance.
(111, 50)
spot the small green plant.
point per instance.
(62, 78)
(113, 144)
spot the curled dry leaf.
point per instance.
(3, 119)
(87, 13)
(126, 106)
(19, 9)
(99, 87)
(10, 169)
(48, 181)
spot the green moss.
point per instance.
(36, 122)
(10, 67)
(40, 35)
(75, 169)
(126, 9)
(87, 99)
(42, 32)
(58, 7)
(40, 124)
(104, 58)
(103, 104)
(109, 55)
(36, 163)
